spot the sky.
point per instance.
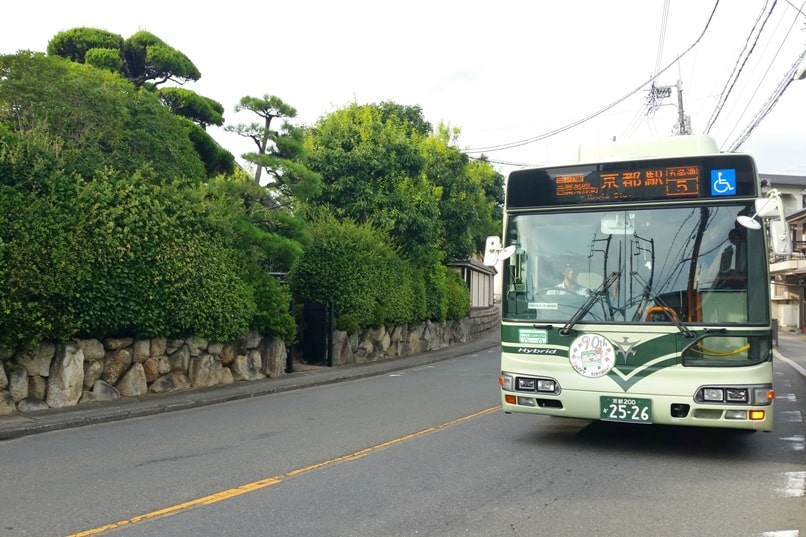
(527, 82)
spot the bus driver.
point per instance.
(569, 285)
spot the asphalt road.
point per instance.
(413, 451)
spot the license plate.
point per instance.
(626, 409)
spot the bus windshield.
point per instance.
(662, 264)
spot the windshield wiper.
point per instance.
(649, 292)
(592, 299)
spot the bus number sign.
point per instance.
(626, 409)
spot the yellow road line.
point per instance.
(268, 482)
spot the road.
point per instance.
(422, 451)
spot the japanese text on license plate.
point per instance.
(626, 409)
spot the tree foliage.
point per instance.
(279, 150)
(148, 62)
(189, 104)
(371, 166)
(98, 119)
(383, 165)
(74, 44)
(107, 227)
(471, 194)
(491, 209)
(144, 57)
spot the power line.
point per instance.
(738, 68)
(554, 132)
(770, 104)
(662, 39)
(766, 72)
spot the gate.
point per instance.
(317, 333)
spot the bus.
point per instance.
(635, 286)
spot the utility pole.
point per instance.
(655, 100)
(683, 121)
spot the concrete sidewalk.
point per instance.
(17, 425)
(791, 350)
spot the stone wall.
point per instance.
(55, 376)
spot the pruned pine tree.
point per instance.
(280, 149)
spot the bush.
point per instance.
(157, 270)
(342, 265)
(458, 297)
(348, 323)
(354, 267)
(114, 257)
(39, 270)
(272, 302)
(436, 292)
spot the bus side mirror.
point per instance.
(493, 253)
(770, 206)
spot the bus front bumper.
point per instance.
(640, 409)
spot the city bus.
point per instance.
(635, 287)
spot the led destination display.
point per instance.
(673, 181)
(714, 176)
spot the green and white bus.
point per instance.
(635, 287)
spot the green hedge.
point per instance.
(458, 297)
(370, 285)
(115, 257)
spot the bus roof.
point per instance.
(674, 146)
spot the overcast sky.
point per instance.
(503, 72)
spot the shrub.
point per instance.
(436, 292)
(353, 266)
(347, 323)
(341, 265)
(272, 303)
(458, 297)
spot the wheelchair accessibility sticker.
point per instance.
(723, 182)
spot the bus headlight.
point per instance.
(713, 395)
(736, 395)
(510, 383)
(526, 384)
(546, 385)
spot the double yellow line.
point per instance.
(268, 482)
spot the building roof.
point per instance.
(475, 264)
(776, 180)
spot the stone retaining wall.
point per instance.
(54, 376)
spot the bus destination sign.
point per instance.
(651, 183)
(724, 175)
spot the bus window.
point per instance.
(676, 264)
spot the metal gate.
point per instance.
(316, 336)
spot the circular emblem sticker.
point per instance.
(592, 355)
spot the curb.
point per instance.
(23, 424)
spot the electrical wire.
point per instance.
(769, 105)
(662, 39)
(738, 68)
(766, 72)
(633, 125)
(599, 112)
